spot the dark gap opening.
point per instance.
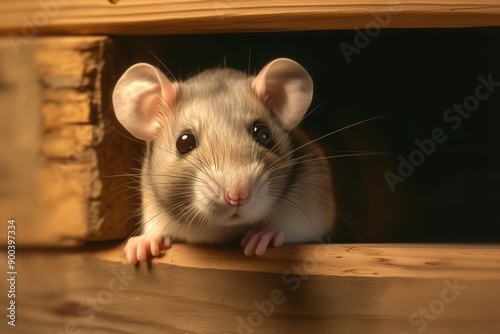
(417, 78)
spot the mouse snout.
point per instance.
(237, 193)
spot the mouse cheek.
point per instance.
(208, 198)
(203, 197)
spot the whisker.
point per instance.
(292, 129)
(301, 160)
(365, 187)
(158, 59)
(249, 57)
(138, 211)
(331, 133)
(350, 225)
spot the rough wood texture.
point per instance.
(26, 18)
(294, 289)
(59, 139)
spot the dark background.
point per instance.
(412, 76)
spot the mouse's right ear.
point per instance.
(137, 99)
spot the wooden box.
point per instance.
(66, 163)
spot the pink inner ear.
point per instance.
(151, 105)
(259, 87)
(276, 97)
(137, 98)
(168, 91)
(287, 88)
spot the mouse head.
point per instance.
(221, 143)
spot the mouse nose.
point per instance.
(237, 195)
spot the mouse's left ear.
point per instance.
(286, 88)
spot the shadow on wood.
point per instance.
(294, 289)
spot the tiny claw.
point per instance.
(155, 247)
(131, 258)
(279, 239)
(140, 247)
(247, 237)
(257, 242)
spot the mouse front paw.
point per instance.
(256, 242)
(140, 247)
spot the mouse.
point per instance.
(225, 159)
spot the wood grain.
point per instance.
(60, 136)
(340, 289)
(385, 260)
(26, 18)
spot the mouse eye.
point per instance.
(262, 135)
(186, 143)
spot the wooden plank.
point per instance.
(23, 19)
(19, 135)
(298, 288)
(60, 136)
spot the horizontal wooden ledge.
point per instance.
(363, 260)
(339, 289)
(27, 18)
